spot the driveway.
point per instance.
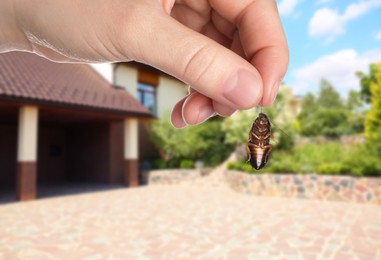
(199, 220)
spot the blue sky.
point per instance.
(330, 39)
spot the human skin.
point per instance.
(232, 54)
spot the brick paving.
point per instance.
(201, 219)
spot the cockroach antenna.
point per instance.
(272, 123)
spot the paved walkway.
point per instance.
(199, 220)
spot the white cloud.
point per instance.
(286, 7)
(355, 10)
(378, 36)
(326, 22)
(339, 68)
(329, 23)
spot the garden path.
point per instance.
(202, 219)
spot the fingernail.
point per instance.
(226, 111)
(205, 113)
(177, 120)
(178, 124)
(274, 91)
(242, 89)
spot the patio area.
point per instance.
(199, 219)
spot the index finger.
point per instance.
(262, 39)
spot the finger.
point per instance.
(223, 110)
(237, 47)
(262, 38)
(191, 90)
(207, 66)
(220, 109)
(223, 25)
(177, 114)
(270, 53)
(197, 108)
(190, 17)
(211, 31)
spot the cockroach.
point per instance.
(258, 146)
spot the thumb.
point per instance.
(210, 68)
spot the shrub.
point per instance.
(362, 161)
(315, 154)
(327, 158)
(330, 168)
(204, 142)
(186, 164)
(284, 166)
(159, 164)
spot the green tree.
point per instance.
(204, 142)
(356, 118)
(327, 114)
(307, 122)
(328, 97)
(354, 102)
(366, 80)
(372, 83)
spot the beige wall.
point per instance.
(127, 77)
(169, 90)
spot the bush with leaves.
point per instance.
(373, 117)
(328, 115)
(205, 142)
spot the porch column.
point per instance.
(27, 153)
(131, 169)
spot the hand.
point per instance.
(233, 54)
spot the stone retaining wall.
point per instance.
(172, 176)
(322, 187)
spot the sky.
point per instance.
(330, 39)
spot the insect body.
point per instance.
(258, 146)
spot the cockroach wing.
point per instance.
(258, 146)
(258, 157)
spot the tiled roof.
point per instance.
(26, 76)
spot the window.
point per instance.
(147, 96)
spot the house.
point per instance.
(65, 122)
(157, 91)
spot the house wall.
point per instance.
(91, 153)
(95, 153)
(116, 153)
(169, 92)
(8, 155)
(87, 153)
(51, 158)
(127, 77)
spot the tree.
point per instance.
(355, 105)
(327, 114)
(366, 80)
(328, 97)
(306, 117)
(354, 102)
(372, 84)
(204, 142)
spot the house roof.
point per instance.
(28, 77)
